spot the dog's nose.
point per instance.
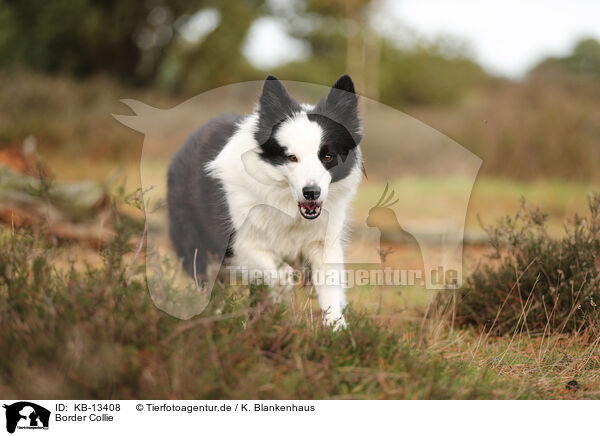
(311, 192)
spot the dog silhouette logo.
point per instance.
(425, 228)
(26, 415)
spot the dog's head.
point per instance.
(309, 147)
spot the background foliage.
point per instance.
(545, 125)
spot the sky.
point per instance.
(506, 37)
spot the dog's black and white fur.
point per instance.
(272, 186)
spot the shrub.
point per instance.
(537, 283)
(80, 331)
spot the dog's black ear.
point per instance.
(275, 100)
(341, 105)
(344, 83)
(275, 105)
(341, 97)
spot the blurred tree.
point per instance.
(342, 39)
(128, 39)
(426, 76)
(193, 45)
(322, 26)
(215, 59)
(584, 61)
(334, 30)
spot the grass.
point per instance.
(87, 334)
(490, 197)
(80, 331)
(543, 363)
(76, 326)
(489, 201)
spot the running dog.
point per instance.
(271, 187)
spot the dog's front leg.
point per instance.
(263, 266)
(327, 266)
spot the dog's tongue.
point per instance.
(310, 206)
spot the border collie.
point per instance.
(271, 187)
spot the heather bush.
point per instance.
(82, 331)
(535, 282)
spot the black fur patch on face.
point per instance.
(271, 150)
(339, 144)
(275, 106)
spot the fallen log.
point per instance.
(77, 211)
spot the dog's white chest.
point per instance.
(274, 230)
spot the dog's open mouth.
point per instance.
(310, 209)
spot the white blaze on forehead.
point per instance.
(300, 135)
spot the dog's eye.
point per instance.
(293, 158)
(328, 157)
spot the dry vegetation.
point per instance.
(520, 130)
(545, 126)
(87, 329)
(73, 334)
(87, 334)
(77, 325)
(535, 282)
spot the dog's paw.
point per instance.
(335, 322)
